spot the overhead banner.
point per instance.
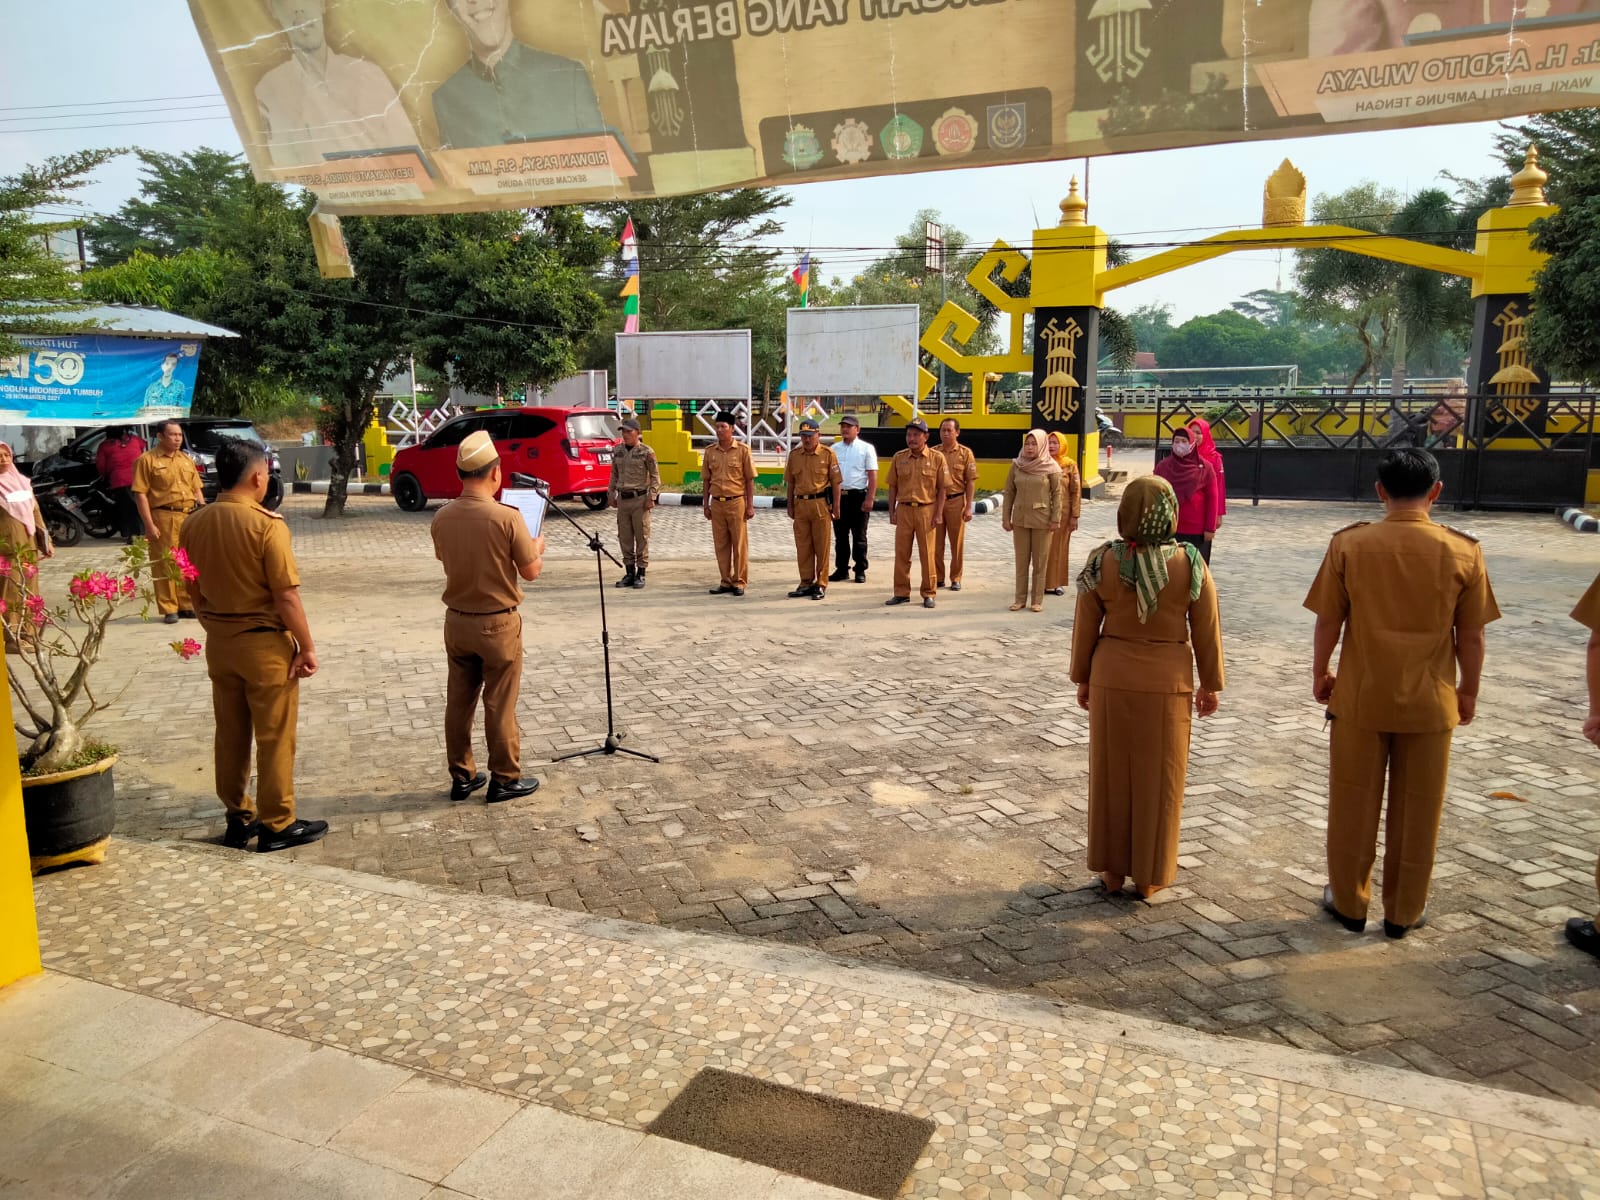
(93, 380)
(390, 106)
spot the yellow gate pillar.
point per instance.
(19, 925)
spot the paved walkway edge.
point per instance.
(1505, 1110)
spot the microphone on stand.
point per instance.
(518, 479)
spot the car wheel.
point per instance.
(595, 501)
(274, 496)
(64, 531)
(407, 493)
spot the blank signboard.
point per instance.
(706, 365)
(866, 351)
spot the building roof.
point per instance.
(126, 320)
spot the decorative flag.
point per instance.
(630, 286)
(802, 278)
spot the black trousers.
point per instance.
(850, 531)
(128, 522)
(1199, 542)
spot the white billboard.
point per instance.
(704, 365)
(869, 350)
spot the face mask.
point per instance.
(1183, 449)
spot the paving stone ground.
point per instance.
(908, 786)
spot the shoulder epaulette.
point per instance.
(1460, 533)
(1348, 528)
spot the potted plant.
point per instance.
(67, 788)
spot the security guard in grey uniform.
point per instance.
(635, 485)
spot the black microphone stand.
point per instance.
(613, 743)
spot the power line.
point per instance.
(104, 103)
(121, 125)
(130, 112)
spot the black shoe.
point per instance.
(839, 576)
(187, 614)
(627, 579)
(239, 832)
(927, 602)
(736, 591)
(1391, 930)
(861, 576)
(819, 593)
(721, 590)
(1353, 924)
(499, 792)
(169, 618)
(893, 600)
(296, 833)
(460, 789)
(803, 591)
(1584, 936)
(956, 586)
(638, 579)
(1055, 591)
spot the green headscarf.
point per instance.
(1146, 520)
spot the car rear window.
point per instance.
(592, 427)
(207, 438)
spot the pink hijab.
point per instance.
(1206, 449)
(16, 494)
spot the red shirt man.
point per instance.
(116, 456)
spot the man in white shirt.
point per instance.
(858, 468)
(319, 102)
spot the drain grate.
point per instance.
(821, 1138)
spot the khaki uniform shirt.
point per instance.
(1031, 501)
(634, 470)
(919, 477)
(962, 465)
(1587, 613)
(242, 553)
(725, 472)
(812, 472)
(481, 543)
(1071, 492)
(168, 480)
(1402, 586)
(1111, 649)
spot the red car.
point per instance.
(570, 448)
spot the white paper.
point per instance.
(530, 504)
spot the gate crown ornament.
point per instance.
(1527, 185)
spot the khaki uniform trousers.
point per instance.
(633, 531)
(254, 699)
(913, 524)
(485, 658)
(954, 530)
(813, 540)
(169, 525)
(1032, 548)
(732, 539)
(1417, 765)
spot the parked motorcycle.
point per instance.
(1110, 435)
(71, 512)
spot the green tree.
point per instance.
(36, 288)
(182, 199)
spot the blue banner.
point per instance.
(91, 379)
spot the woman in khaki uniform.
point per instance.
(1141, 599)
(21, 526)
(1031, 513)
(1059, 569)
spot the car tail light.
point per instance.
(60, 491)
(569, 450)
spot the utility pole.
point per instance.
(933, 260)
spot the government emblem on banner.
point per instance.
(901, 138)
(1119, 53)
(852, 141)
(1008, 126)
(955, 133)
(801, 148)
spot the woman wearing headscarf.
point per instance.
(1196, 487)
(1030, 514)
(21, 525)
(1058, 571)
(1206, 447)
(1147, 618)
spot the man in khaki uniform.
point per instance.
(166, 489)
(727, 477)
(484, 546)
(1583, 933)
(919, 482)
(958, 502)
(635, 484)
(1411, 599)
(258, 649)
(811, 480)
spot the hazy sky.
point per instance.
(135, 50)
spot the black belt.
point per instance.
(739, 497)
(860, 491)
(914, 503)
(499, 612)
(633, 495)
(816, 495)
(956, 496)
(171, 508)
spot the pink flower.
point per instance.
(186, 649)
(189, 571)
(128, 585)
(4, 607)
(30, 570)
(5, 565)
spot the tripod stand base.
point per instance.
(612, 745)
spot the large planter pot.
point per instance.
(69, 815)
